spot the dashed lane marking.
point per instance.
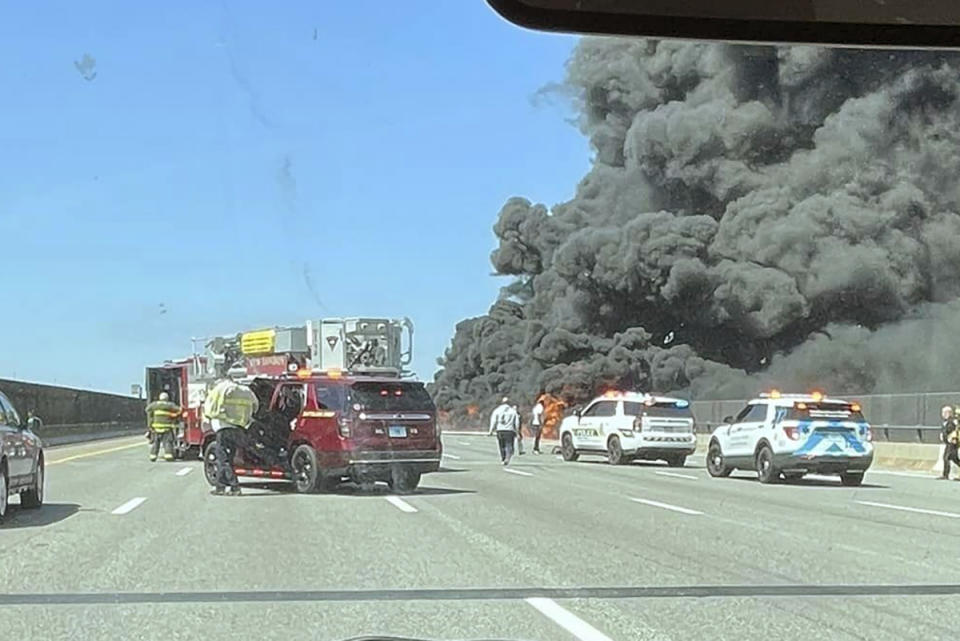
(904, 508)
(567, 620)
(677, 475)
(667, 506)
(400, 504)
(184, 471)
(129, 506)
(517, 472)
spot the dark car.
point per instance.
(21, 459)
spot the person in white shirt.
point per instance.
(536, 425)
(505, 421)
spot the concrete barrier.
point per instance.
(73, 415)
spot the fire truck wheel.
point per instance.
(306, 470)
(210, 463)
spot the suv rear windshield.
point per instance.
(819, 411)
(398, 397)
(658, 410)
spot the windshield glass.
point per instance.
(659, 409)
(484, 239)
(397, 397)
(824, 411)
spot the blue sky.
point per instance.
(222, 147)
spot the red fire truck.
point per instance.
(370, 346)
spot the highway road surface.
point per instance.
(543, 549)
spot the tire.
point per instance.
(210, 463)
(677, 461)
(4, 490)
(793, 476)
(33, 498)
(851, 479)
(715, 465)
(615, 451)
(767, 472)
(306, 469)
(567, 451)
(403, 479)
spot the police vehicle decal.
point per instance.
(830, 438)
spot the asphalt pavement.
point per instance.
(541, 549)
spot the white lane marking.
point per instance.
(130, 505)
(463, 442)
(400, 504)
(666, 506)
(453, 456)
(507, 469)
(679, 476)
(184, 471)
(567, 620)
(560, 457)
(904, 508)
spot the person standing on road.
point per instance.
(536, 425)
(504, 421)
(516, 409)
(949, 436)
(230, 408)
(162, 419)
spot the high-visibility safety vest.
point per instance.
(162, 416)
(231, 403)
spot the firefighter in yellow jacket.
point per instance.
(230, 408)
(162, 418)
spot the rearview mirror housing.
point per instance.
(728, 420)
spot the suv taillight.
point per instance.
(343, 426)
(793, 433)
(638, 424)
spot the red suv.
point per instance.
(320, 429)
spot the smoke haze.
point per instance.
(753, 216)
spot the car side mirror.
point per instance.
(728, 420)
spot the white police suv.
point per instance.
(625, 425)
(792, 435)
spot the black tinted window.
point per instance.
(330, 396)
(756, 413)
(391, 397)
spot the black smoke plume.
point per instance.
(753, 216)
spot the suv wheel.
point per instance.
(615, 451)
(851, 479)
(715, 465)
(4, 490)
(403, 479)
(566, 448)
(33, 498)
(306, 470)
(766, 470)
(210, 463)
(677, 461)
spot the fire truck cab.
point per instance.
(319, 428)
